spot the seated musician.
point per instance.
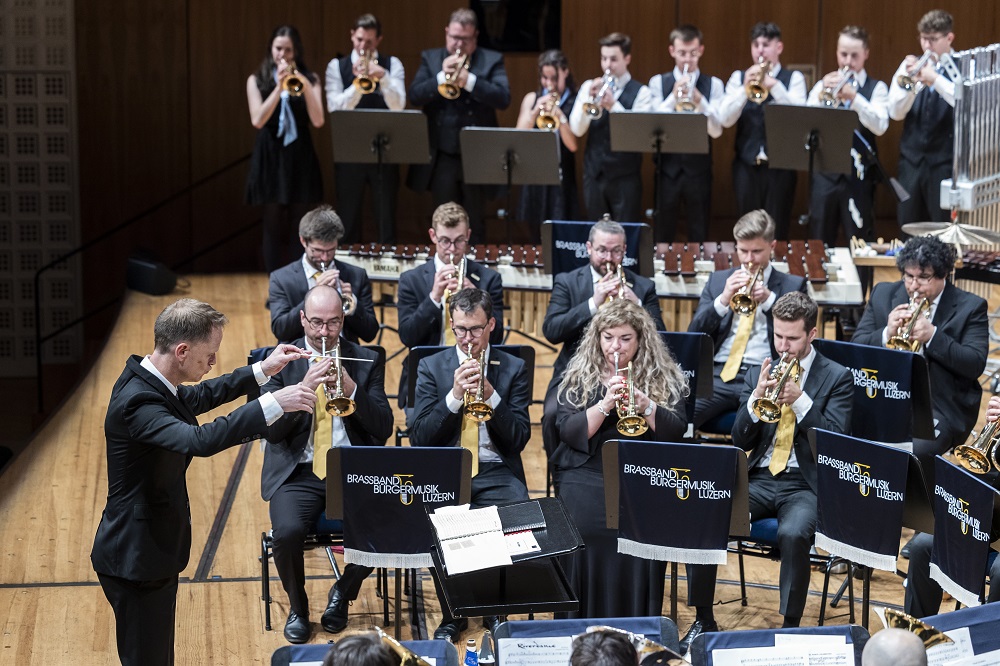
(443, 382)
(741, 340)
(782, 467)
(294, 472)
(319, 232)
(575, 298)
(424, 291)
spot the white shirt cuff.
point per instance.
(272, 410)
(258, 374)
(720, 307)
(592, 306)
(470, 82)
(454, 406)
(801, 406)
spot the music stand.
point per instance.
(809, 138)
(659, 133)
(510, 157)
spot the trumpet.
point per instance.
(337, 404)
(742, 301)
(685, 103)
(629, 422)
(767, 408)
(476, 408)
(980, 456)
(350, 301)
(408, 657)
(293, 85)
(593, 108)
(449, 89)
(903, 340)
(907, 79)
(365, 82)
(622, 283)
(756, 92)
(547, 118)
(828, 96)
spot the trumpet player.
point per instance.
(444, 380)
(612, 182)
(294, 472)
(927, 112)
(755, 184)
(741, 340)
(686, 178)
(782, 470)
(848, 201)
(320, 231)
(366, 79)
(478, 77)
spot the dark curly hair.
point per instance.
(926, 252)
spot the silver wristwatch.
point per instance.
(649, 408)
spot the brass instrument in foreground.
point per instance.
(293, 85)
(593, 108)
(903, 339)
(629, 422)
(828, 96)
(895, 619)
(350, 301)
(449, 89)
(365, 82)
(907, 80)
(408, 657)
(622, 283)
(476, 407)
(756, 92)
(685, 102)
(337, 404)
(980, 456)
(650, 652)
(742, 301)
(767, 408)
(547, 118)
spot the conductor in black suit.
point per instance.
(421, 297)
(320, 230)
(496, 445)
(741, 341)
(482, 89)
(782, 468)
(577, 295)
(144, 539)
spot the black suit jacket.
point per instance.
(569, 311)
(287, 292)
(707, 320)
(145, 530)
(831, 387)
(420, 321)
(435, 425)
(369, 425)
(956, 355)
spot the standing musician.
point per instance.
(815, 393)
(458, 86)
(576, 298)
(144, 539)
(422, 302)
(848, 201)
(745, 339)
(756, 185)
(927, 111)
(294, 472)
(549, 109)
(320, 230)
(366, 79)
(612, 182)
(449, 379)
(686, 177)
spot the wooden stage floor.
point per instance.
(52, 495)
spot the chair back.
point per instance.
(527, 354)
(693, 352)
(659, 629)
(701, 649)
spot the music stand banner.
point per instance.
(387, 497)
(686, 350)
(856, 478)
(675, 501)
(569, 245)
(963, 518)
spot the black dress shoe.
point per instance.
(297, 629)
(335, 616)
(451, 631)
(697, 627)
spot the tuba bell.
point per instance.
(903, 340)
(448, 88)
(629, 422)
(756, 92)
(767, 408)
(365, 82)
(547, 118)
(742, 301)
(476, 407)
(980, 456)
(293, 85)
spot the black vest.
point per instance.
(599, 158)
(372, 100)
(750, 134)
(691, 163)
(866, 92)
(928, 130)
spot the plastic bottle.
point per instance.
(471, 656)
(486, 653)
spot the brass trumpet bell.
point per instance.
(742, 301)
(903, 340)
(767, 408)
(547, 118)
(293, 85)
(756, 92)
(476, 407)
(365, 82)
(629, 422)
(407, 656)
(449, 89)
(337, 404)
(980, 456)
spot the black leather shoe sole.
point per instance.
(451, 631)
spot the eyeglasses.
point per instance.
(462, 331)
(460, 38)
(450, 242)
(922, 280)
(613, 251)
(319, 324)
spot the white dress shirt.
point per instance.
(487, 451)
(336, 424)
(873, 113)
(759, 344)
(340, 97)
(736, 96)
(901, 101)
(579, 122)
(708, 108)
(800, 407)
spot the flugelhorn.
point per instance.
(293, 84)
(742, 301)
(767, 408)
(448, 88)
(828, 96)
(476, 408)
(350, 301)
(895, 619)
(408, 657)
(593, 108)
(685, 102)
(980, 456)
(365, 82)
(756, 92)
(337, 404)
(903, 339)
(907, 80)
(629, 422)
(547, 118)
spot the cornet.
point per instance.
(350, 301)
(828, 96)
(337, 404)
(629, 422)
(908, 79)
(593, 108)
(293, 85)
(756, 92)
(476, 408)
(742, 301)
(449, 89)
(903, 340)
(767, 408)
(364, 82)
(622, 283)
(547, 118)
(685, 103)
(980, 456)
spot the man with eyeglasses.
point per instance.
(320, 230)
(421, 297)
(294, 472)
(443, 379)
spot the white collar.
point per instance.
(148, 364)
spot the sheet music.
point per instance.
(984, 659)
(948, 653)
(521, 542)
(814, 653)
(547, 651)
(781, 640)
(474, 552)
(458, 523)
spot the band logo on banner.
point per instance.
(860, 478)
(675, 501)
(395, 490)
(963, 519)
(569, 240)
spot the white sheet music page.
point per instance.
(822, 653)
(548, 651)
(456, 522)
(950, 653)
(471, 540)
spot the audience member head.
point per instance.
(365, 649)
(894, 647)
(603, 648)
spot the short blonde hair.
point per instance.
(448, 216)
(755, 224)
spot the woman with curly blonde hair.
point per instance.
(609, 584)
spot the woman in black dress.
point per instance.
(609, 584)
(284, 173)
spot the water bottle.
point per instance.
(471, 657)
(486, 653)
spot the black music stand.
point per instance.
(809, 138)
(510, 157)
(659, 133)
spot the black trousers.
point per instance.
(621, 197)
(695, 191)
(842, 202)
(144, 618)
(923, 594)
(351, 180)
(923, 182)
(448, 184)
(770, 189)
